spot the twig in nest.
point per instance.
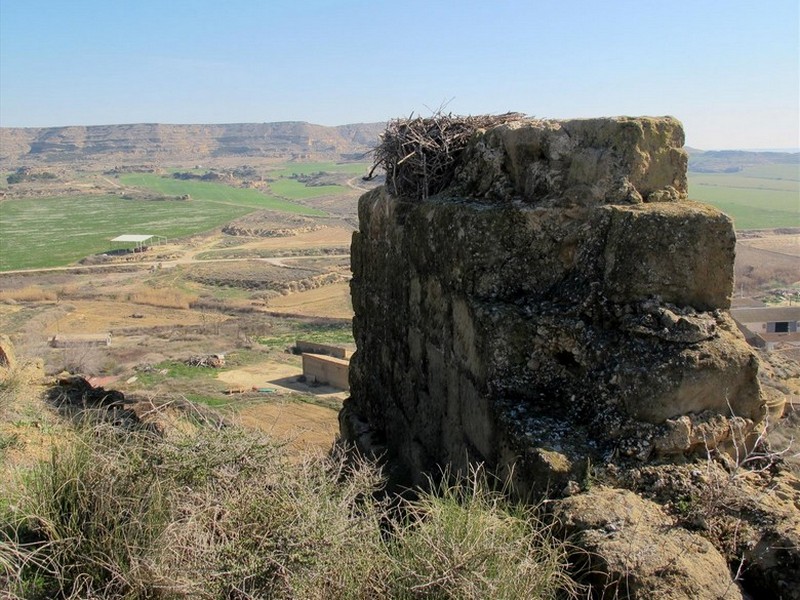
(420, 155)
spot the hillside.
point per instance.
(153, 142)
(164, 143)
(734, 161)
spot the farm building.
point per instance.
(320, 368)
(136, 242)
(767, 326)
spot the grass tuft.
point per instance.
(465, 540)
(219, 512)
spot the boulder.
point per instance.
(628, 547)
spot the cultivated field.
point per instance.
(244, 197)
(250, 267)
(38, 232)
(760, 197)
(246, 272)
(50, 232)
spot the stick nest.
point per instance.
(420, 155)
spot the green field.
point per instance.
(217, 192)
(762, 197)
(51, 232)
(295, 190)
(288, 169)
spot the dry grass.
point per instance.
(464, 541)
(30, 293)
(210, 512)
(163, 299)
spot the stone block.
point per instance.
(682, 253)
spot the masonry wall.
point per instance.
(562, 300)
(314, 348)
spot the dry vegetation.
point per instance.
(192, 509)
(166, 299)
(30, 293)
(211, 512)
(420, 155)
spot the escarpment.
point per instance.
(558, 304)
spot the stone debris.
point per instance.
(212, 361)
(630, 548)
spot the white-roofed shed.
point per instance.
(140, 240)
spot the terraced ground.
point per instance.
(55, 231)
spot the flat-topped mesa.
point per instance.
(556, 299)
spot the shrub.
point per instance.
(465, 541)
(218, 512)
(86, 520)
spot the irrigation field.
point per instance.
(51, 232)
(57, 231)
(763, 197)
(217, 192)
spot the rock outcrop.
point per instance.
(561, 304)
(551, 309)
(614, 533)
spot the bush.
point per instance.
(224, 513)
(464, 540)
(86, 520)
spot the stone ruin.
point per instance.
(560, 304)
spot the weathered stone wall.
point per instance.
(562, 302)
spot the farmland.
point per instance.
(315, 167)
(217, 192)
(50, 232)
(289, 188)
(56, 231)
(757, 197)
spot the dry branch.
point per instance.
(420, 155)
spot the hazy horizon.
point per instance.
(728, 70)
(789, 150)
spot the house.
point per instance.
(767, 326)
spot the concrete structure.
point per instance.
(303, 347)
(328, 370)
(765, 327)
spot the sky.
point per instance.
(729, 69)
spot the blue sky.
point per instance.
(728, 69)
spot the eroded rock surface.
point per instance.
(630, 548)
(563, 312)
(561, 305)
